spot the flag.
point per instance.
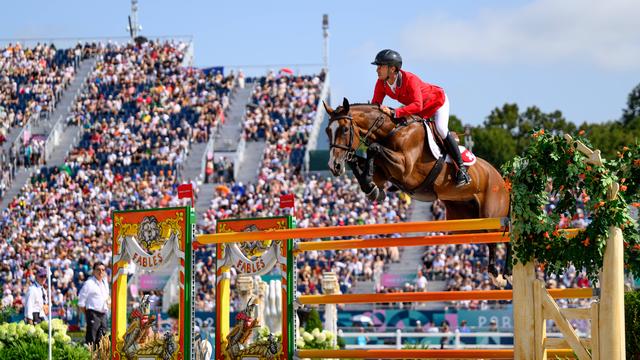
(185, 191)
(287, 201)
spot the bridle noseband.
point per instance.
(350, 151)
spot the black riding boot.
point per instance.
(462, 178)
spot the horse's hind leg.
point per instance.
(495, 204)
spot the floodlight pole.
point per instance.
(133, 20)
(325, 35)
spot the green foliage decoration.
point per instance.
(536, 235)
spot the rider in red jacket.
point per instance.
(419, 98)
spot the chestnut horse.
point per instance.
(400, 155)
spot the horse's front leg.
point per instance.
(361, 170)
(395, 163)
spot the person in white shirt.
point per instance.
(7, 299)
(94, 300)
(36, 303)
(421, 282)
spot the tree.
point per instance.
(609, 137)
(494, 144)
(632, 112)
(506, 117)
(455, 124)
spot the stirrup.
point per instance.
(462, 178)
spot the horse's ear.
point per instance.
(345, 105)
(327, 107)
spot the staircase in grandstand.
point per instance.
(53, 125)
(227, 142)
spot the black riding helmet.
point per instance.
(388, 57)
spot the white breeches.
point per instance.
(442, 118)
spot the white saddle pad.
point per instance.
(468, 158)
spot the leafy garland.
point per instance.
(536, 235)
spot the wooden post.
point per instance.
(540, 324)
(523, 311)
(611, 319)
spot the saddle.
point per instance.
(434, 144)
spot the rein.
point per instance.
(377, 124)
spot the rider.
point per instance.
(420, 98)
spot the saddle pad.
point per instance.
(468, 158)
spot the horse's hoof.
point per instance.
(373, 194)
(492, 270)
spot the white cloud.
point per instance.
(592, 32)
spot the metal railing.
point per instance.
(417, 339)
(54, 138)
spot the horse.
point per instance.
(400, 155)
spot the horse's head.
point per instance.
(343, 140)
(348, 128)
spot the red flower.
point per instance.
(548, 247)
(581, 132)
(586, 242)
(582, 176)
(623, 187)
(507, 185)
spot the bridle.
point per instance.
(350, 151)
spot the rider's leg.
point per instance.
(442, 125)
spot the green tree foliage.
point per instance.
(496, 145)
(455, 124)
(610, 137)
(632, 112)
(507, 131)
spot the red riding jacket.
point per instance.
(420, 98)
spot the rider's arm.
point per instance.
(415, 106)
(378, 93)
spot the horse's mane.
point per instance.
(377, 106)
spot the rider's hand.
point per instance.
(387, 111)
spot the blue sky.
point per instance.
(578, 56)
